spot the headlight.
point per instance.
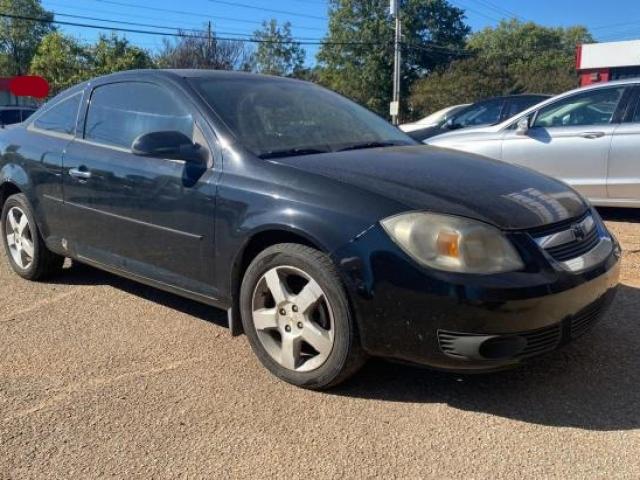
(453, 244)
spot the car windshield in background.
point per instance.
(279, 118)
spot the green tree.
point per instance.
(277, 53)
(19, 38)
(113, 54)
(514, 57)
(62, 60)
(357, 59)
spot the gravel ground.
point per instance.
(102, 377)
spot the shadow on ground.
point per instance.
(631, 215)
(593, 384)
(80, 274)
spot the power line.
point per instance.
(178, 34)
(477, 12)
(149, 25)
(199, 15)
(262, 9)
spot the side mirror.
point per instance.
(522, 127)
(171, 145)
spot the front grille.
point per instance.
(575, 248)
(557, 227)
(541, 341)
(582, 322)
(569, 239)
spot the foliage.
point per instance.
(359, 60)
(514, 57)
(197, 50)
(61, 60)
(277, 53)
(19, 39)
(113, 54)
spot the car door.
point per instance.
(151, 217)
(45, 140)
(570, 139)
(623, 183)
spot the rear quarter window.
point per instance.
(61, 117)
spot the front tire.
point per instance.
(296, 315)
(28, 255)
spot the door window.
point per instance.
(596, 107)
(486, 113)
(62, 117)
(120, 112)
(9, 117)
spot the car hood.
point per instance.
(450, 182)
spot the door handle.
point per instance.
(80, 174)
(592, 135)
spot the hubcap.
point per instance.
(19, 238)
(293, 319)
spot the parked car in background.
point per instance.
(588, 138)
(15, 114)
(485, 112)
(437, 118)
(326, 233)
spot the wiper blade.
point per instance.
(292, 152)
(362, 146)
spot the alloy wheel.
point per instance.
(293, 319)
(19, 238)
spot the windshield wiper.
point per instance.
(362, 146)
(292, 152)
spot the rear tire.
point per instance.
(28, 255)
(296, 315)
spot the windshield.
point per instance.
(277, 118)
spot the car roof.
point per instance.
(193, 73)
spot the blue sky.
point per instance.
(612, 20)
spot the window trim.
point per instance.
(52, 133)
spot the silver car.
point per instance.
(589, 138)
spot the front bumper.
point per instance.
(412, 314)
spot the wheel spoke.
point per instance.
(276, 287)
(265, 319)
(13, 223)
(11, 239)
(290, 353)
(309, 296)
(22, 224)
(27, 247)
(317, 337)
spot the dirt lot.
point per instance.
(103, 377)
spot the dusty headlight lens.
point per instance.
(453, 244)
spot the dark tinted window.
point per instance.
(120, 112)
(485, 113)
(595, 107)
(26, 113)
(9, 117)
(284, 118)
(519, 104)
(61, 117)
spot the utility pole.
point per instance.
(397, 59)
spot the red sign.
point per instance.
(29, 86)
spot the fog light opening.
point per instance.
(503, 347)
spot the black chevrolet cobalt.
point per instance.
(326, 233)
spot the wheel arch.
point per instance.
(7, 189)
(257, 242)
